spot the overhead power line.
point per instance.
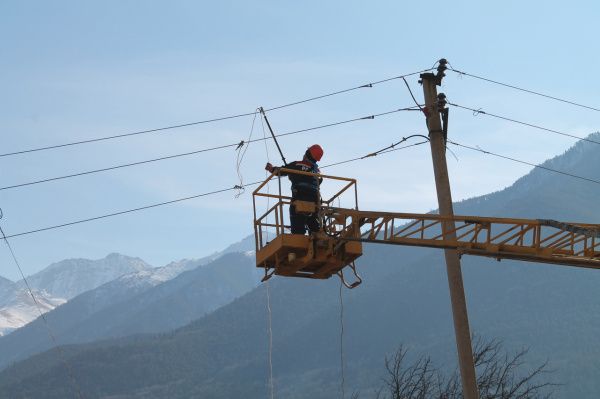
(141, 208)
(526, 90)
(223, 118)
(260, 181)
(368, 85)
(505, 118)
(88, 172)
(386, 150)
(94, 140)
(524, 162)
(203, 150)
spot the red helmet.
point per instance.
(316, 152)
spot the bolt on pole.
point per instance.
(434, 104)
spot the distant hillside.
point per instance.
(56, 284)
(148, 301)
(404, 300)
(69, 278)
(546, 195)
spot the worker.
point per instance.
(304, 188)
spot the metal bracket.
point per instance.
(267, 275)
(354, 284)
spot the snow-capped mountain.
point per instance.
(21, 309)
(7, 288)
(128, 285)
(71, 277)
(57, 284)
(97, 284)
(174, 269)
(138, 303)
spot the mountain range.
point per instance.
(69, 278)
(552, 310)
(147, 300)
(64, 280)
(56, 284)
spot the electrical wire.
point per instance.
(260, 181)
(130, 210)
(412, 95)
(89, 172)
(505, 118)
(171, 201)
(367, 85)
(525, 90)
(76, 387)
(373, 116)
(117, 136)
(223, 118)
(525, 162)
(380, 153)
(383, 150)
(203, 150)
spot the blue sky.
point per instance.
(73, 70)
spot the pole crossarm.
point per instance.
(546, 241)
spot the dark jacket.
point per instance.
(303, 183)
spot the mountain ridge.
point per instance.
(403, 300)
(127, 304)
(71, 277)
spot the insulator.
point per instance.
(441, 101)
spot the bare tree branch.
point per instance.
(500, 376)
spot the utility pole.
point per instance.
(434, 104)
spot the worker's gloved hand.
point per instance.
(269, 167)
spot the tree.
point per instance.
(499, 376)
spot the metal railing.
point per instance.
(275, 216)
(548, 241)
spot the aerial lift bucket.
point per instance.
(318, 255)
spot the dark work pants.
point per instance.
(301, 222)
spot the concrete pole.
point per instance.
(455, 281)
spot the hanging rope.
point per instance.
(241, 149)
(270, 330)
(342, 371)
(269, 311)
